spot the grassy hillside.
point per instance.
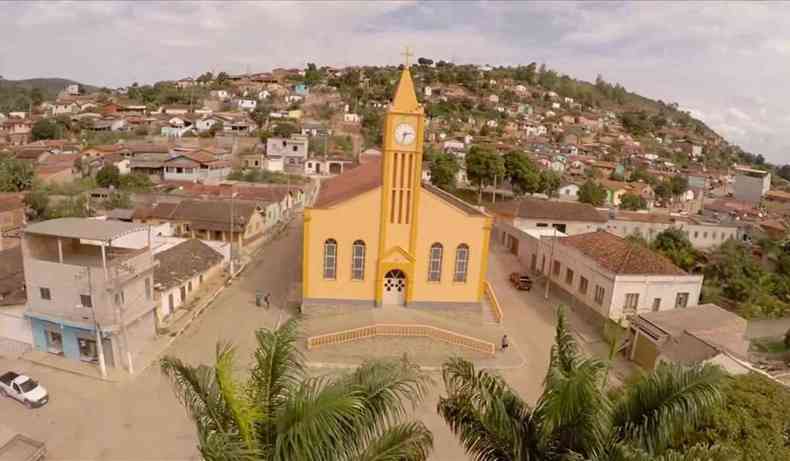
(17, 94)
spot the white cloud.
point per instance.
(726, 60)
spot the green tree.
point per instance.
(482, 166)
(591, 192)
(46, 128)
(118, 199)
(550, 181)
(754, 422)
(678, 185)
(576, 417)
(444, 168)
(522, 173)
(673, 243)
(312, 75)
(108, 175)
(70, 207)
(632, 202)
(260, 115)
(136, 182)
(37, 203)
(284, 129)
(278, 413)
(15, 175)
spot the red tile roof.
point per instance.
(531, 208)
(619, 256)
(364, 178)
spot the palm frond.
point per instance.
(564, 352)
(196, 389)
(277, 370)
(669, 401)
(574, 414)
(221, 446)
(386, 385)
(319, 421)
(467, 424)
(409, 441)
(491, 420)
(241, 410)
(698, 452)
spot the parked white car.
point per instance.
(23, 389)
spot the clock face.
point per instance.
(405, 134)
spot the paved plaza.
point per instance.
(139, 418)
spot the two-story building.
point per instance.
(293, 150)
(90, 289)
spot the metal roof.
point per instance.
(83, 228)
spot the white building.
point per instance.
(247, 104)
(351, 118)
(567, 217)
(294, 149)
(616, 279)
(568, 192)
(751, 185)
(702, 235)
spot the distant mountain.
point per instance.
(17, 94)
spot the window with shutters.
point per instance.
(330, 259)
(461, 263)
(435, 263)
(358, 260)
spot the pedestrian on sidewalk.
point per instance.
(266, 300)
(505, 343)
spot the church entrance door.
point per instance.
(394, 288)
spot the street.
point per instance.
(140, 419)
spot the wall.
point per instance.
(615, 286)
(571, 227)
(16, 335)
(436, 217)
(751, 189)
(701, 236)
(360, 221)
(163, 306)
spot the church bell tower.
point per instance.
(404, 126)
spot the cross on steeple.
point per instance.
(406, 55)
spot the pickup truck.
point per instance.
(17, 447)
(23, 389)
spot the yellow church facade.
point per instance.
(377, 236)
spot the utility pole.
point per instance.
(99, 345)
(551, 265)
(493, 192)
(232, 222)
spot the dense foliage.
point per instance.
(576, 417)
(15, 175)
(593, 193)
(754, 423)
(279, 413)
(444, 168)
(632, 202)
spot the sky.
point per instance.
(728, 63)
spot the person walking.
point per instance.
(505, 343)
(266, 300)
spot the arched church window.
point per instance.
(461, 263)
(330, 259)
(358, 260)
(435, 263)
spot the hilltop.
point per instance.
(18, 94)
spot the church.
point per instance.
(378, 236)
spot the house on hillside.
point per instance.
(195, 166)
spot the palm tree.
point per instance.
(577, 418)
(280, 414)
